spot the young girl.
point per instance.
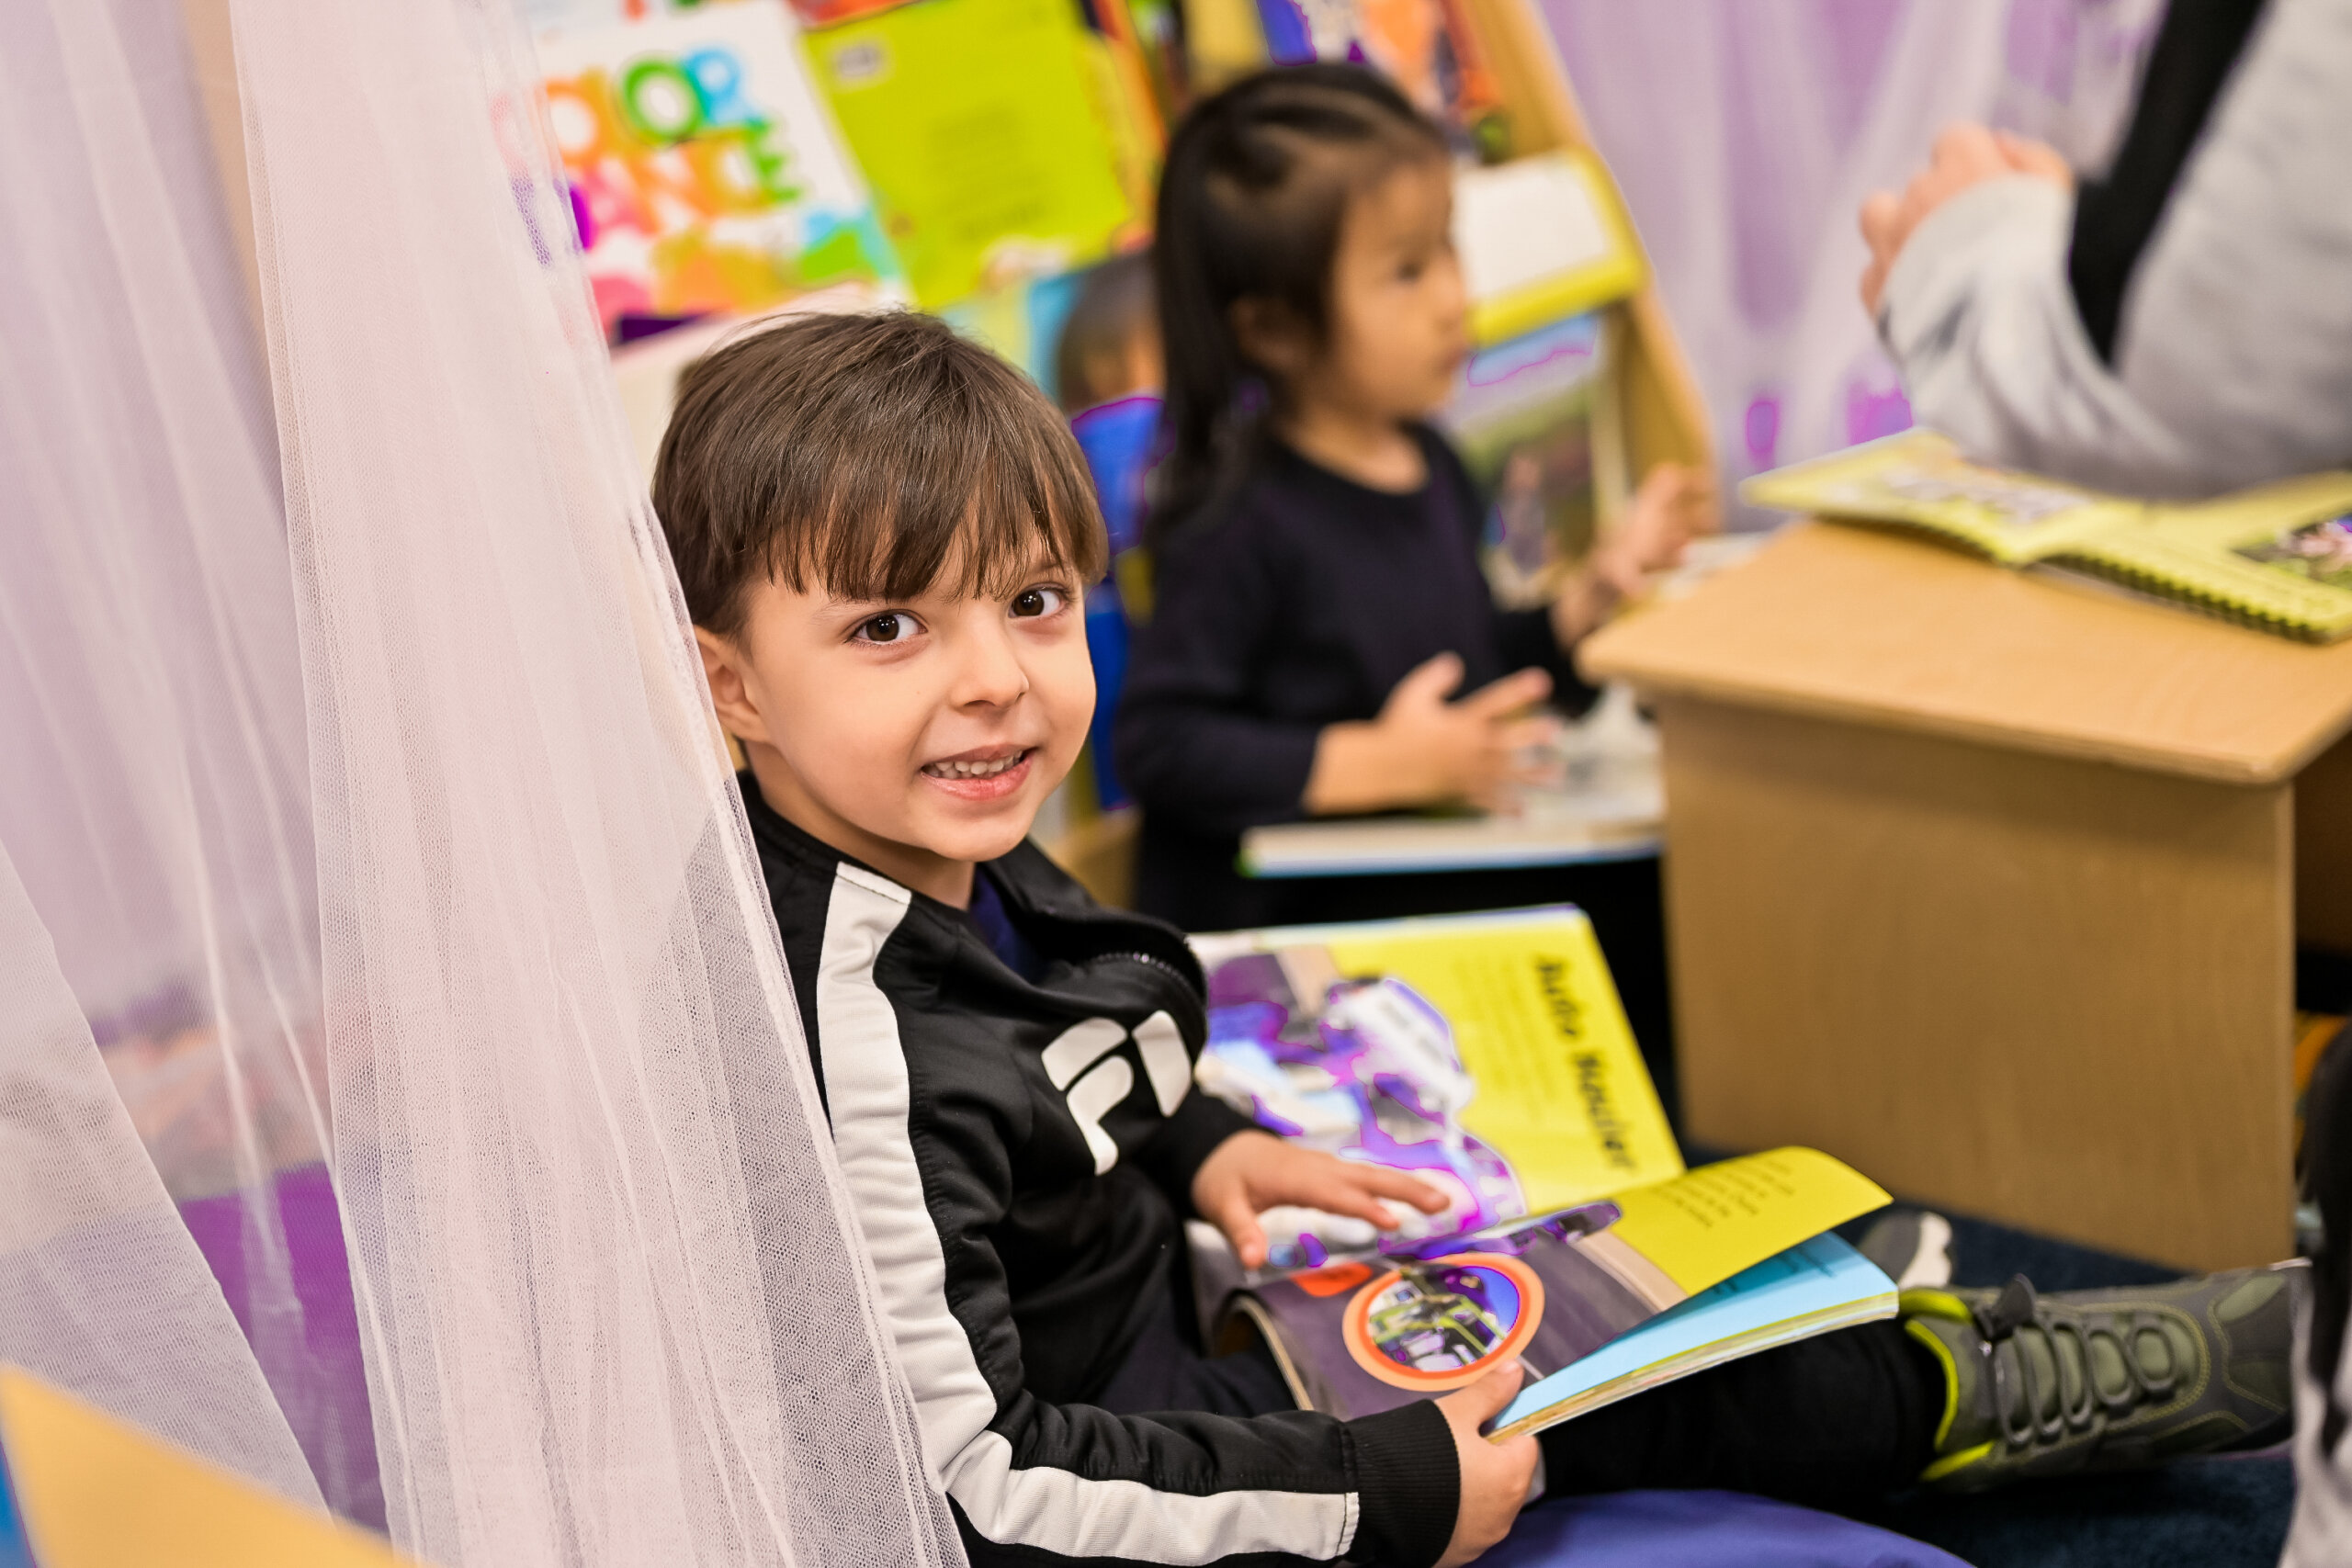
(1319, 602)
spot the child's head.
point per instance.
(1109, 346)
(1304, 242)
(883, 533)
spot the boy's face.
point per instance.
(919, 734)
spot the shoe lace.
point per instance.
(2020, 1307)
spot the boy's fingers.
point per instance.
(1358, 1190)
(1410, 1188)
(1239, 1223)
(1484, 1400)
(1490, 1394)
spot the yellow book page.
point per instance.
(1919, 479)
(2281, 555)
(100, 1492)
(1562, 1093)
(1707, 1224)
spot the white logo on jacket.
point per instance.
(1085, 1046)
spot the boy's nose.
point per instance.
(990, 673)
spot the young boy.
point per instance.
(883, 533)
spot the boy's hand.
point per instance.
(1423, 750)
(1495, 1476)
(1251, 1172)
(1675, 504)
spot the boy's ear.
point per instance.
(730, 694)
(1270, 335)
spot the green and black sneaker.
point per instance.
(2092, 1380)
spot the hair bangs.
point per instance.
(890, 532)
(868, 457)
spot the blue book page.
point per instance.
(1821, 1275)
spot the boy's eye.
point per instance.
(1038, 601)
(894, 626)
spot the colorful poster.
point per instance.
(706, 171)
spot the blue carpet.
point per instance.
(2215, 1513)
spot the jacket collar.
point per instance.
(1053, 909)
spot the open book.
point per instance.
(1487, 1054)
(2278, 558)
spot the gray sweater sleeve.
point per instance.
(2233, 358)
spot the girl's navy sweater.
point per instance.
(1297, 603)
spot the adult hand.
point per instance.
(1964, 155)
(1495, 1476)
(1423, 750)
(1251, 1172)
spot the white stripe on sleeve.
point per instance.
(1055, 1510)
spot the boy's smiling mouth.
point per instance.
(984, 773)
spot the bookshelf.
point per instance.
(1648, 411)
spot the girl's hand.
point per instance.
(1423, 750)
(1251, 1172)
(1496, 1477)
(1674, 505)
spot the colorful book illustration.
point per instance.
(1522, 419)
(86, 1490)
(707, 173)
(1426, 47)
(2278, 558)
(1541, 238)
(997, 133)
(1486, 1054)
(1367, 1333)
(1489, 1055)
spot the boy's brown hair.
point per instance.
(861, 454)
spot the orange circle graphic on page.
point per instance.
(1440, 1324)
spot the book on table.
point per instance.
(1489, 1055)
(1601, 799)
(2278, 558)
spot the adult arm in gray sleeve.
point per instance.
(2233, 361)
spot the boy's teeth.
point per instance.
(972, 770)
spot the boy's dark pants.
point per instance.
(1840, 1419)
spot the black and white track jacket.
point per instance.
(1019, 1155)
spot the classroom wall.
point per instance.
(1745, 134)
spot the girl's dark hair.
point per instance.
(1256, 186)
(860, 454)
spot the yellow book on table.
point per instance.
(94, 1492)
(2278, 558)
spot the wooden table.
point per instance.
(1992, 886)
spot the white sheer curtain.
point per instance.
(1745, 134)
(153, 788)
(353, 750)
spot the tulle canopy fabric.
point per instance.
(401, 1096)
